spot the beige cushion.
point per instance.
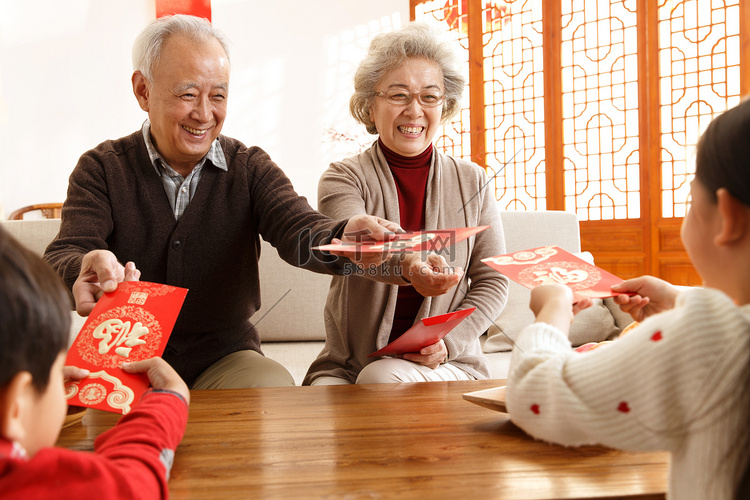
(294, 356)
(292, 300)
(622, 319)
(524, 230)
(35, 234)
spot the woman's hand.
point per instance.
(652, 296)
(430, 356)
(430, 277)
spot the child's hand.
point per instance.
(160, 374)
(553, 304)
(74, 373)
(652, 296)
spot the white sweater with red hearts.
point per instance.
(677, 383)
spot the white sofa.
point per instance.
(291, 318)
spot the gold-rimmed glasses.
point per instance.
(402, 97)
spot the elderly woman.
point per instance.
(409, 84)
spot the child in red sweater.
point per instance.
(131, 460)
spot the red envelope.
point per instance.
(130, 324)
(417, 241)
(546, 265)
(427, 332)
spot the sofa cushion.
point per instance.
(292, 300)
(35, 234)
(294, 356)
(524, 230)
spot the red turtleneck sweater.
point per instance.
(410, 174)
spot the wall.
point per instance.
(65, 72)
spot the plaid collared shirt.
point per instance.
(179, 189)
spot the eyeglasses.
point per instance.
(401, 97)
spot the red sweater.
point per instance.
(410, 175)
(131, 460)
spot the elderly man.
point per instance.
(187, 205)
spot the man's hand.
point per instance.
(430, 277)
(370, 228)
(160, 374)
(652, 296)
(100, 273)
(365, 228)
(430, 356)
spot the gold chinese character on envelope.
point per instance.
(130, 324)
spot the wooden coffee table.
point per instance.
(421, 441)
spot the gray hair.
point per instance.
(148, 46)
(388, 51)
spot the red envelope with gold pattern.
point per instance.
(547, 265)
(432, 240)
(130, 324)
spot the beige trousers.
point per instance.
(395, 370)
(243, 369)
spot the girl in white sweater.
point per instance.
(680, 381)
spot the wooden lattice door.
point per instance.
(595, 107)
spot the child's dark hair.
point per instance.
(723, 161)
(34, 314)
(723, 153)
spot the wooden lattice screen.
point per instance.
(595, 107)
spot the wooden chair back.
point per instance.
(48, 210)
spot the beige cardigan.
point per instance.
(359, 309)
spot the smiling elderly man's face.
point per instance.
(187, 100)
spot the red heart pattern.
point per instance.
(623, 407)
(535, 409)
(656, 337)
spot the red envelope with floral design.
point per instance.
(130, 324)
(417, 241)
(546, 265)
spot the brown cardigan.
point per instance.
(116, 201)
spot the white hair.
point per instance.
(148, 46)
(389, 51)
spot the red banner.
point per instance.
(198, 8)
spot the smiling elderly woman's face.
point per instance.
(408, 129)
